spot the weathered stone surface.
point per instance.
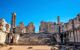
(26, 47)
(36, 39)
(2, 37)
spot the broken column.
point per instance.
(15, 36)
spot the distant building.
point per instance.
(43, 27)
(50, 27)
(65, 27)
(47, 27)
(30, 28)
(25, 29)
(56, 28)
(21, 28)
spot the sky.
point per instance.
(39, 10)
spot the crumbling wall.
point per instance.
(2, 37)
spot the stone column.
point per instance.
(13, 26)
(13, 22)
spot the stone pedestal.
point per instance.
(16, 38)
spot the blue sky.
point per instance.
(38, 10)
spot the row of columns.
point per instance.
(76, 34)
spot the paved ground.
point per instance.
(25, 47)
